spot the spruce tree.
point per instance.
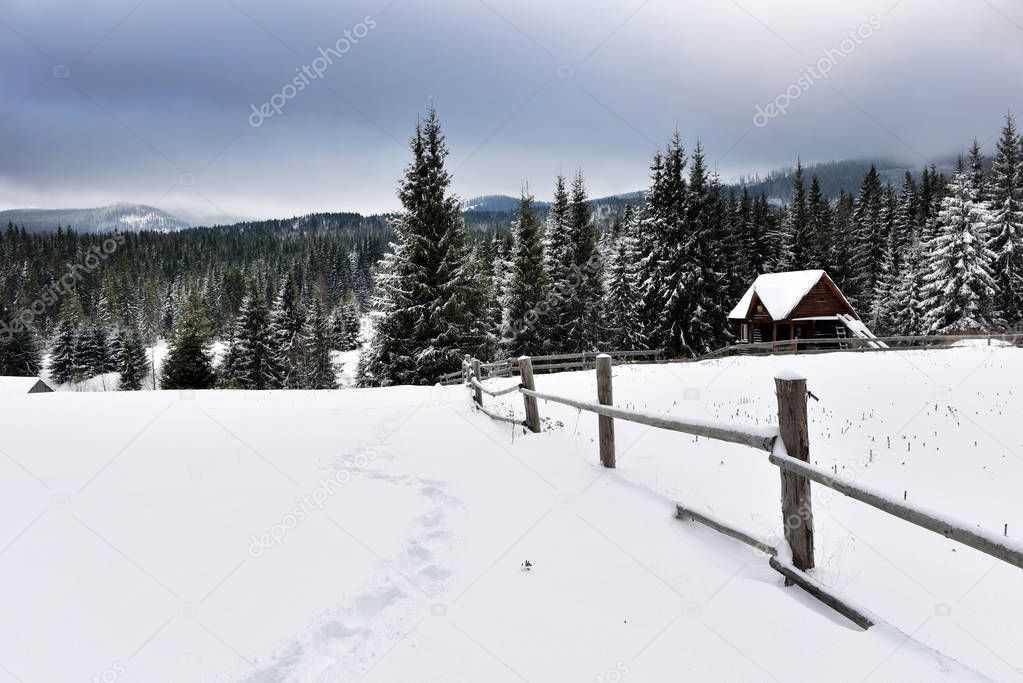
(258, 360)
(622, 323)
(959, 287)
(1005, 198)
(869, 240)
(670, 214)
(796, 228)
(133, 362)
(819, 234)
(526, 289)
(583, 309)
(345, 326)
(287, 322)
(559, 257)
(908, 302)
(63, 352)
(428, 310)
(20, 354)
(189, 361)
(319, 371)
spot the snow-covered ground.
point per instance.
(377, 534)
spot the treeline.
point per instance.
(66, 291)
(932, 256)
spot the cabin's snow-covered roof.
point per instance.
(778, 292)
(16, 385)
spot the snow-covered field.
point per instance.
(377, 534)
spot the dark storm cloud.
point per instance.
(160, 93)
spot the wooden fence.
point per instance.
(561, 361)
(787, 446)
(587, 360)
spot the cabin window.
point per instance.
(760, 308)
(744, 332)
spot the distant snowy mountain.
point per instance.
(123, 217)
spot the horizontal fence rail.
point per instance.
(585, 361)
(787, 445)
(760, 438)
(996, 546)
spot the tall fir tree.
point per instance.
(818, 230)
(558, 255)
(132, 361)
(319, 370)
(959, 288)
(583, 309)
(428, 314)
(869, 241)
(623, 326)
(1005, 198)
(525, 292)
(63, 366)
(796, 228)
(258, 360)
(288, 324)
(189, 360)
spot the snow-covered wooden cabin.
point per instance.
(801, 304)
(11, 386)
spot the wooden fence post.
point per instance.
(797, 514)
(532, 412)
(605, 425)
(477, 392)
(465, 369)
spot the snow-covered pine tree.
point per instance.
(344, 326)
(708, 283)
(258, 358)
(958, 286)
(869, 244)
(93, 354)
(908, 302)
(1005, 198)
(20, 355)
(525, 292)
(429, 312)
(288, 321)
(133, 361)
(842, 252)
(63, 366)
(670, 213)
(818, 228)
(189, 361)
(900, 211)
(622, 323)
(650, 245)
(559, 255)
(978, 178)
(761, 247)
(319, 369)
(798, 247)
(583, 309)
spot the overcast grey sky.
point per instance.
(121, 100)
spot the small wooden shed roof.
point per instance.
(16, 386)
(781, 293)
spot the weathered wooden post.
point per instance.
(532, 412)
(465, 369)
(477, 393)
(797, 514)
(605, 425)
